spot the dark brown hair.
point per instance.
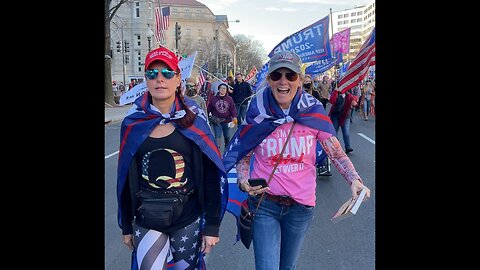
(189, 117)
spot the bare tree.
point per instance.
(109, 13)
(206, 52)
(250, 53)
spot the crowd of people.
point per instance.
(171, 169)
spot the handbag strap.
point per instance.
(280, 156)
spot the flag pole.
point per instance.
(333, 47)
(211, 75)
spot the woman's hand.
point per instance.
(245, 186)
(208, 242)
(128, 241)
(356, 187)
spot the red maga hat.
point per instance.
(162, 54)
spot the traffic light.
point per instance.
(178, 31)
(127, 59)
(127, 47)
(119, 46)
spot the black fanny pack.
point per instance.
(158, 210)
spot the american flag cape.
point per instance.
(263, 116)
(137, 126)
(358, 68)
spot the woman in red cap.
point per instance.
(170, 196)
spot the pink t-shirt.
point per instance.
(295, 175)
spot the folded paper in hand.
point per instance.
(349, 208)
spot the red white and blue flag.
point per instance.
(162, 22)
(358, 68)
(202, 74)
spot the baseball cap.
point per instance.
(286, 59)
(162, 54)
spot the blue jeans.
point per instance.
(241, 111)
(366, 106)
(345, 130)
(278, 233)
(222, 128)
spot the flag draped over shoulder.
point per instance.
(139, 123)
(358, 68)
(264, 115)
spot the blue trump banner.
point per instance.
(311, 43)
(320, 66)
(261, 75)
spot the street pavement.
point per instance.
(115, 113)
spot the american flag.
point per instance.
(202, 76)
(162, 21)
(358, 68)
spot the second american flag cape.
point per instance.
(137, 126)
(263, 116)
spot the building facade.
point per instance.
(201, 31)
(361, 21)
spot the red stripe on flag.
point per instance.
(358, 69)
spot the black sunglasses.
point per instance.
(291, 76)
(153, 73)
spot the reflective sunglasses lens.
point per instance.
(168, 74)
(275, 76)
(291, 76)
(151, 74)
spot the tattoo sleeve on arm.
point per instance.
(341, 161)
(243, 167)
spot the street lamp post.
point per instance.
(217, 44)
(149, 36)
(235, 58)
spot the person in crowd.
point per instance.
(169, 174)
(121, 88)
(240, 93)
(367, 94)
(324, 87)
(223, 114)
(206, 89)
(191, 91)
(342, 105)
(230, 82)
(357, 93)
(310, 87)
(283, 217)
(316, 81)
(115, 88)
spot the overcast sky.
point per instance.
(270, 21)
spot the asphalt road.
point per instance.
(347, 245)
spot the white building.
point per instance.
(201, 30)
(361, 21)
